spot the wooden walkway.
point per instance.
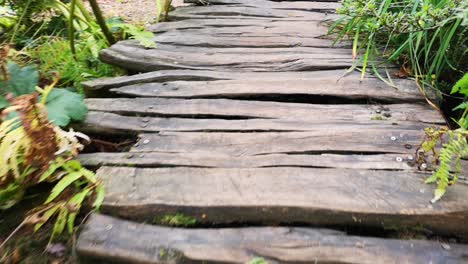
(246, 123)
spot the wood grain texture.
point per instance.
(321, 140)
(106, 238)
(219, 160)
(110, 123)
(339, 77)
(325, 197)
(321, 6)
(243, 26)
(240, 109)
(230, 11)
(347, 87)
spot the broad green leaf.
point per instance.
(64, 106)
(62, 185)
(21, 81)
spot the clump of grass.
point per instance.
(54, 55)
(178, 219)
(427, 37)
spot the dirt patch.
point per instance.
(133, 11)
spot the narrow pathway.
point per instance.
(246, 122)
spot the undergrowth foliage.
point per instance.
(34, 150)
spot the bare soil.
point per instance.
(141, 12)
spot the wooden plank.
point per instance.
(328, 84)
(217, 160)
(334, 76)
(109, 123)
(335, 139)
(240, 109)
(244, 25)
(208, 38)
(130, 55)
(325, 197)
(299, 5)
(114, 240)
(229, 11)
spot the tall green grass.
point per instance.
(427, 37)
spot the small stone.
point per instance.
(424, 166)
(430, 206)
(408, 146)
(129, 156)
(445, 246)
(410, 158)
(145, 119)
(359, 244)
(146, 141)
(150, 107)
(378, 111)
(422, 191)
(142, 155)
(387, 114)
(399, 159)
(136, 145)
(144, 125)
(109, 227)
(393, 138)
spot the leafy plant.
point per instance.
(461, 87)
(427, 37)
(447, 160)
(32, 151)
(63, 106)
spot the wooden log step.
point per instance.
(109, 239)
(205, 38)
(325, 139)
(230, 11)
(109, 123)
(130, 55)
(347, 87)
(324, 78)
(284, 5)
(240, 109)
(206, 160)
(287, 195)
(244, 26)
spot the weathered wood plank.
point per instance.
(217, 160)
(327, 78)
(114, 240)
(325, 197)
(245, 40)
(244, 26)
(130, 55)
(335, 139)
(321, 6)
(240, 109)
(324, 85)
(109, 123)
(229, 11)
